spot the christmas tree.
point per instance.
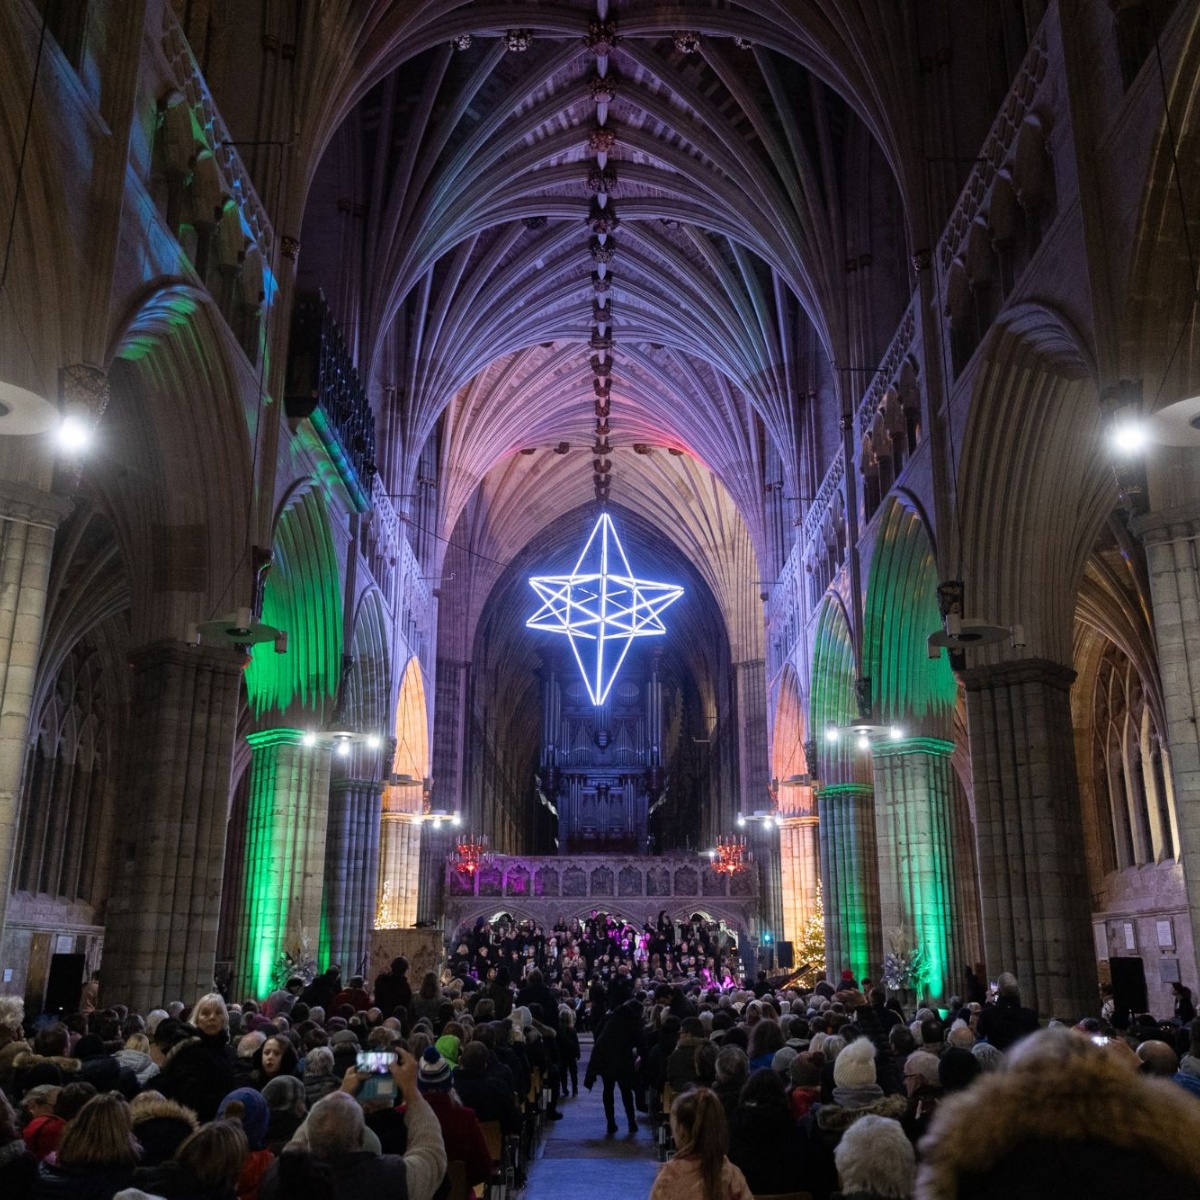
(810, 948)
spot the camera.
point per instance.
(377, 1062)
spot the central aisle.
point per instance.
(577, 1161)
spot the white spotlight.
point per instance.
(864, 742)
(831, 733)
(456, 819)
(309, 739)
(343, 747)
(741, 821)
(896, 733)
(1129, 436)
(374, 741)
(74, 435)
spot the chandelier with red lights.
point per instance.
(472, 853)
(731, 855)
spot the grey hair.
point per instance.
(991, 1058)
(1007, 985)
(732, 1064)
(875, 1156)
(318, 1061)
(834, 1045)
(249, 1042)
(335, 1126)
(925, 1065)
(12, 1014)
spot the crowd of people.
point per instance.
(573, 952)
(333, 1089)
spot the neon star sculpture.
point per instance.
(601, 608)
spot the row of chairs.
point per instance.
(510, 1154)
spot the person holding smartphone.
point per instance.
(330, 1143)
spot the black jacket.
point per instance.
(198, 1073)
(618, 1045)
(65, 1183)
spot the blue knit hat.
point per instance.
(433, 1074)
(254, 1114)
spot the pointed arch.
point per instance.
(303, 597)
(901, 611)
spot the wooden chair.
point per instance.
(662, 1134)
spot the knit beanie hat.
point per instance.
(433, 1074)
(251, 1109)
(855, 1065)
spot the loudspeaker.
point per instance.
(784, 952)
(65, 983)
(1129, 987)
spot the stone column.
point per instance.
(286, 822)
(399, 870)
(752, 735)
(28, 518)
(799, 855)
(914, 825)
(1033, 880)
(849, 870)
(435, 846)
(161, 933)
(1173, 560)
(351, 871)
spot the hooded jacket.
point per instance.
(1065, 1118)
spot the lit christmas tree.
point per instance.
(810, 948)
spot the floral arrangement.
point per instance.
(905, 964)
(295, 962)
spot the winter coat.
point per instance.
(618, 1044)
(161, 1126)
(289, 1065)
(198, 1073)
(1064, 1121)
(172, 1181)
(392, 992)
(142, 1065)
(68, 1183)
(770, 1151)
(18, 1171)
(823, 1129)
(1006, 1022)
(50, 1068)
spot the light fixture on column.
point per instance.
(863, 733)
(239, 628)
(960, 633)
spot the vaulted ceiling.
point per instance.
(615, 243)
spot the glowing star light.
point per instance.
(601, 608)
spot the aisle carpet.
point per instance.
(577, 1162)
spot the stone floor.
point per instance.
(576, 1160)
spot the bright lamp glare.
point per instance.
(832, 734)
(456, 819)
(73, 435)
(1128, 437)
(896, 733)
(343, 747)
(741, 821)
(309, 739)
(864, 742)
(374, 741)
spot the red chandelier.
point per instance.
(472, 853)
(731, 855)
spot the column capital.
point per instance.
(1021, 671)
(913, 745)
(352, 784)
(262, 739)
(1168, 524)
(184, 654)
(845, 789)
(31, 505)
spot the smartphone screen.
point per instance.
(378, 1062)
